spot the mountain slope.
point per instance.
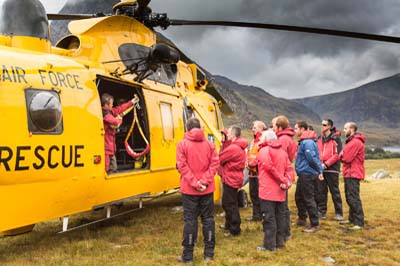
(252, 103)
(374, 106)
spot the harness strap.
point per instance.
(128, 148)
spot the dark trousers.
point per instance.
(255, 200)
(286, 215)
(352, 191)
(331, 181)
(231, 208)
(193, 207)
(305, 199)
(273, 223)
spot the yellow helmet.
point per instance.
(124, 3)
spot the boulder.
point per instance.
(380, 174)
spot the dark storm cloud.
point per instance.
(289, 64)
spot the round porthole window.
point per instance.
(45, 110)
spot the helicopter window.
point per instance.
(167, 121)
(32, 23)
(44, 112)
(134, 56)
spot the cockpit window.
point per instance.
(23, 18)
(44, 112)
(134, 56)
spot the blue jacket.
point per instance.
(307, 160)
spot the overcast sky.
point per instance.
(285, 64)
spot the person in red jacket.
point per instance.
(275, 175)
(112, 121)
(232, 161)
(329, 147)
(197, 162)
(258, 128)
(352, 157)
(285, 134)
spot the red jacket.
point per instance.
(288, 144)
(352, 157)
(274, 169)
(196, 160)
(232, 160)
(329, 148)
(109, 119)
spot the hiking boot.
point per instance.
(262, 248)
(354, 228)
(301, 222)
(182, 260)
(322, 216)
(311, 229)
(208, 259)
(338, 217)
(229, 234)
(345, 222)
(252, 219)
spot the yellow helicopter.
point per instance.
(52, 150)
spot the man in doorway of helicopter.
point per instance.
(112, 121)
(329, 147)
(352, 156)
(232, 159)
(197, 162)
(285, 134)
(275, 178)
(258, 128)
(308, 169)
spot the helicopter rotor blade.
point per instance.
(70, 16)
(349, 34)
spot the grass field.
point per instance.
(152, 236)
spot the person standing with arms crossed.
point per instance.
(197, 162)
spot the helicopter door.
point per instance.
(137, 140)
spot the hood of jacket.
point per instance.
(196, 134)
(276, 144)
(287, 131)
(241, 142)
(308, 134)
(359, 136)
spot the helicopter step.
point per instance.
(108, 208)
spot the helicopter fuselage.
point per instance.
(52, 150)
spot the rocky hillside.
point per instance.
(252, 103)
(374, 106)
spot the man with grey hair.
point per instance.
(352, 157)
(258, 128)
(275, 175)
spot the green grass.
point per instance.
(152, 236)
